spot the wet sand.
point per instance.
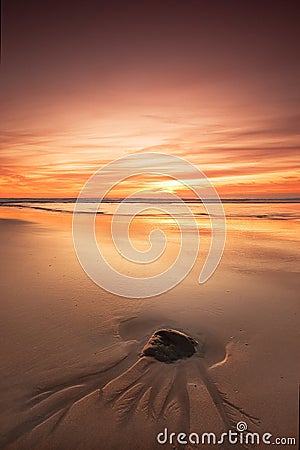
(71, 372)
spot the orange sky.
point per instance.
(218, 88)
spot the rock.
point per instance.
(168, 345)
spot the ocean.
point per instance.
(267, 209)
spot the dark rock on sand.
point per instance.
(168, 345)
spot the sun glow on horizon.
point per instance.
(169, 186)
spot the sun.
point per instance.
(170, 186)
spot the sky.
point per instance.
(214, 82)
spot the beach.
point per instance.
(71, 372)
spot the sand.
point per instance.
(71, 372)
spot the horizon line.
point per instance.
(151, 200)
